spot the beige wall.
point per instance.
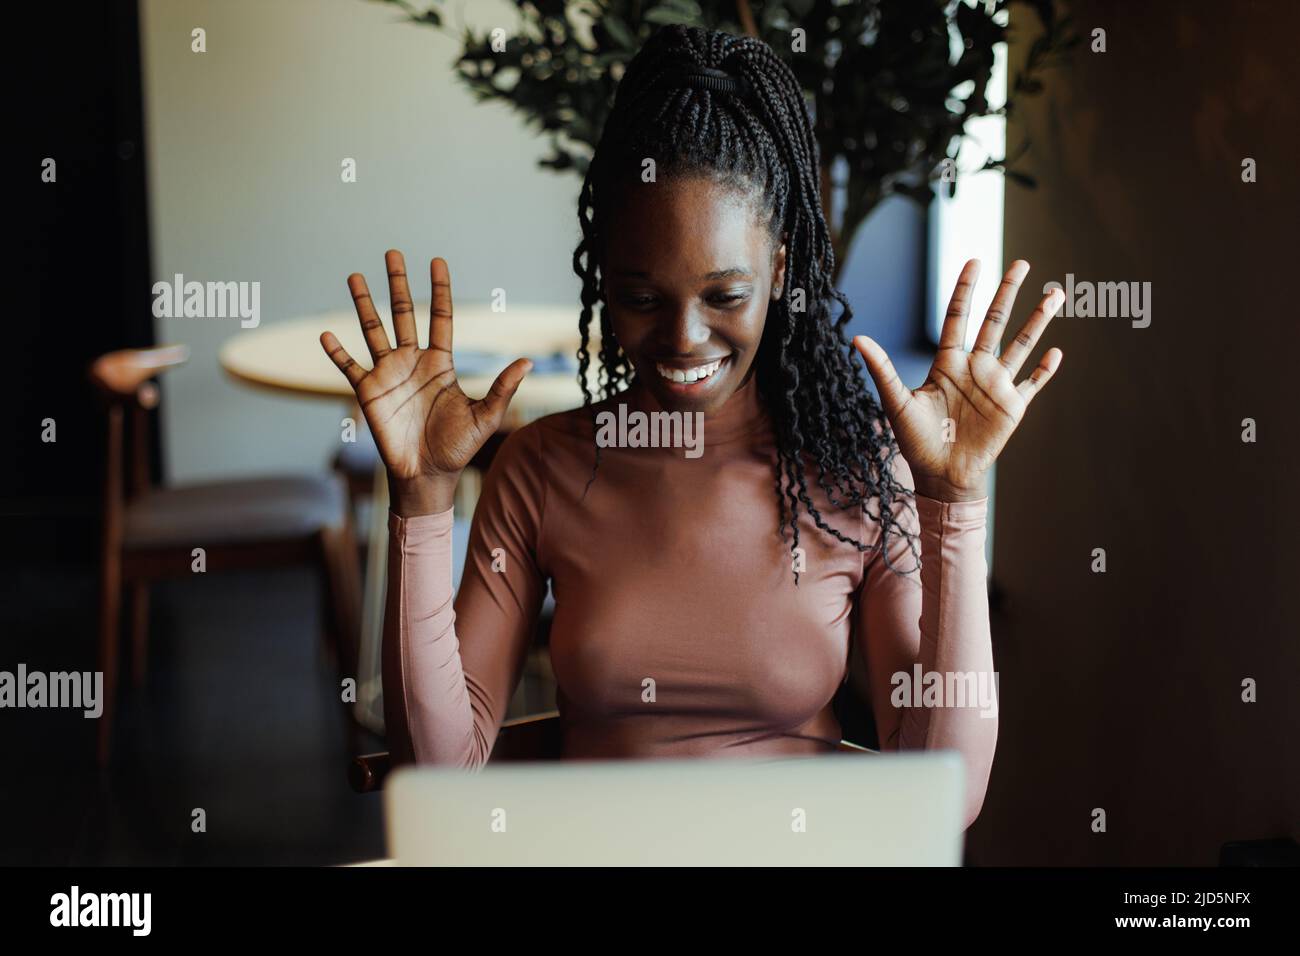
(1122, 690)
(244, 147)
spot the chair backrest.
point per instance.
(541, 737)
(124, 375)
(536, 737)
(123, 380)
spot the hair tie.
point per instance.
(706, 78)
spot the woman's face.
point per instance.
(689, 273)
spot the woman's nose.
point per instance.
(683, 331)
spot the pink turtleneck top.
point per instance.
(678, 628)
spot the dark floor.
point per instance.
(240, 717)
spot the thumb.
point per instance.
(503, 389)
(893, 393)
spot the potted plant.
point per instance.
(892, 84)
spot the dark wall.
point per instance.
(1122, 690)
(85, 288)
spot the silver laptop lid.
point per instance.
(841, 809)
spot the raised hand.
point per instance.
(952, 428)
(426, 428)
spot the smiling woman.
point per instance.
(695, 614)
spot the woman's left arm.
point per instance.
(909, 627)
(949, 433)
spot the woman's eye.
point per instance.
(730, 298)
(721, 300)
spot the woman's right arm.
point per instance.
(449, 672)
(427, 431)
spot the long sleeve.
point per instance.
(451, 664)
(927, 643)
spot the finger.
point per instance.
(894, 395)
(371, 327)
(953, 335)
(1027, 337)
(399, 298)
(339, 355)
(440, 310)
(1041, 375)
(503, 389)
(995, 322)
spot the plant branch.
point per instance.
(746, 17)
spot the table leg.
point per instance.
(370, 690)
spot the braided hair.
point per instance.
(759, 141)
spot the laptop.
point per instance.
(833, 810)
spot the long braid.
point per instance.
(762, 144)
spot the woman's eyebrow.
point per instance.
(731, 272)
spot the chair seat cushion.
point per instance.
(235, 512)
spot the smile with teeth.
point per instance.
(687, 375)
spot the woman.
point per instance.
(704, 605)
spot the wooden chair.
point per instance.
(538, 737)
(151, 533)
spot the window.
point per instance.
(969, 226)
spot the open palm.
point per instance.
(952, 428)
(424, 425)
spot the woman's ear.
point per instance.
(778, 271)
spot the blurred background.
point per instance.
(306, 137)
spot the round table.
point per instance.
(287, 357)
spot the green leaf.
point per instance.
(618, 31)
(666, 15)
(688, 10)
